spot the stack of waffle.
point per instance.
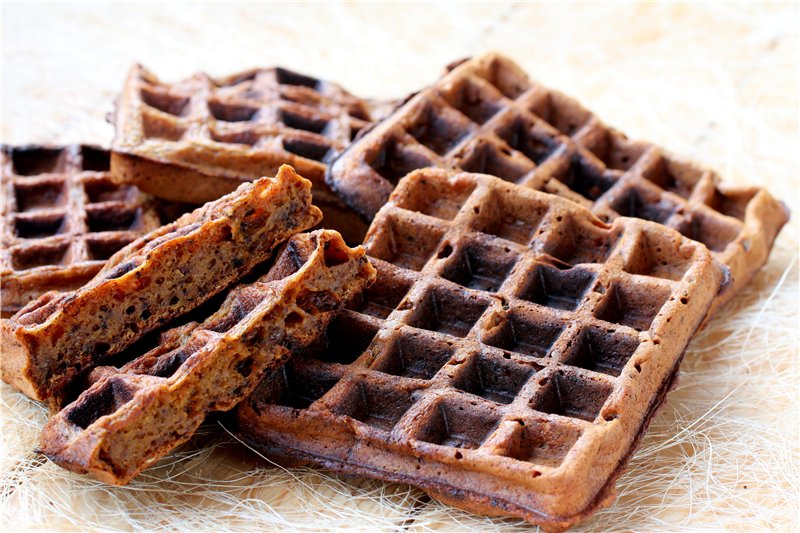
(528, 282)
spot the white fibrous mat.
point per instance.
(717, 84)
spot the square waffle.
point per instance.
(199, 138)
(508, 358)
(160, 276)
(485, 115)
(63, 217)
(131, 417)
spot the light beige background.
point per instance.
(715, 83)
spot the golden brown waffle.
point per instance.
(197, 139)
(158, 277)
(508, 358)
(487, 116)
(62, 218)
(131, 417)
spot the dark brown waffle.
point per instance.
(130, 418)
(62, 218)
(158, 277)
(508, 358)
(197, 139)
(487, 116)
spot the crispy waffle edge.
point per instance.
(126, 299)
(133, 416)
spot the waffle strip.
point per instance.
(487, 116)
(130, 418)
(508, 358)
(154, 279)
(62, 218)
(197, 139)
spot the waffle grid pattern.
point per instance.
(139, 412)
(158, 277)
(487, 116)
(259, 118)
(501, 345)
(63, 218)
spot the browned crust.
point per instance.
(741, 237)
(131, 417)
(457, 496)
(72, 184)
(160, 276)
(177, 183)
(21, 289)
(210, 157)
(172, 182)
(489, 478)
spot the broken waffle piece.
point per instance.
(197, 139)
(485, 115)
(63, 217)
(130, 418)
(508, 359)
(160, 276)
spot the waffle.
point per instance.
(508, 358)
(62, 218)
(159, 276)
(199, 138)
(130, 418)
(487, 116)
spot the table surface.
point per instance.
(717, 84)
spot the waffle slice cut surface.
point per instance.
(157, 277)
(487, 116)
(63, 217)
(131, 417)
(197, 139)
(508, 358)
